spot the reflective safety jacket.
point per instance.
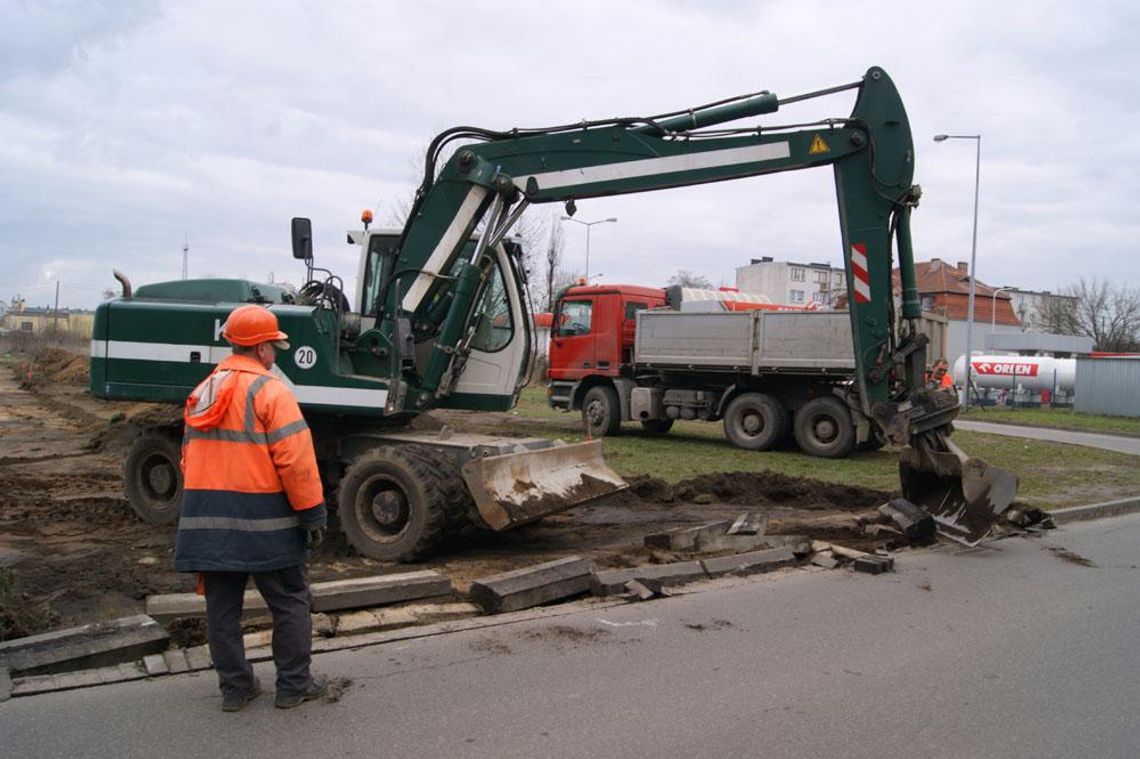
(250, 477)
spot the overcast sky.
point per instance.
(127, 125)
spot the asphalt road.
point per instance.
(1118, 443)
(1025, 647)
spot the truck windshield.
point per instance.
(574, 318)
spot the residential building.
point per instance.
(1042, 311)
(788, 283)
(945, 289)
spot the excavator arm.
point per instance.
(488, 181)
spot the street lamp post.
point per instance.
(965, 397)
(587, 225)
(993, 307)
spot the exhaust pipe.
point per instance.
(126, 283)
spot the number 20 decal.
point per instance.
(305, 357)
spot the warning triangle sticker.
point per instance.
(818, 146)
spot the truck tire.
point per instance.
(152, 476)
(755, 421)
(823, 428)
(393, 503)
(601, 411)
(657, 426)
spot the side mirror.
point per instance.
(302, 238)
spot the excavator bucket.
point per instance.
(517, 488)
(966, 496)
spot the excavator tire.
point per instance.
(755, 421)
(823, 428)
(393, 503)
(152, 477)
(459, 507)
(601, 411)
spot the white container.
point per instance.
(1033, 373)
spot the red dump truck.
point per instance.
(630, 353)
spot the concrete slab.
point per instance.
(169, 606)
(176, 661)
(685, 538)
(357, 622)
(736, 543)
(611, 582)
(357, 593)
(754, 562)
(532, 586)
(33, 684)
(379, 590)
(198, 658)
(84, 647)
(155, 665)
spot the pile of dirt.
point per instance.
(758, 489)
(54, 366)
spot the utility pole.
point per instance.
(57, 299)
(186, 257)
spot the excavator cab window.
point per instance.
(493, 312)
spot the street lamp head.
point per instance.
(611, 219)
(941, 137)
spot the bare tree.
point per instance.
(686, 278)
(552, 263)
(1106, 312)
(1054, 314)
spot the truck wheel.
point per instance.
(755, 421)
(657, 426)
(601, 411)
(393, 503)
(824, 428)
(152, 475)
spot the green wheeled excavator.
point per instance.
(441, 320)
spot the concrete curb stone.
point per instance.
(1096, 510)
(611, 582)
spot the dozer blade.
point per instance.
(965, 495)
(517, 488)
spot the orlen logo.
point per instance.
(1011, 368)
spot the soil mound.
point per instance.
(758, 489)
(55, 366)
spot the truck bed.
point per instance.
(757, 342)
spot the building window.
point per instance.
(927, 302)
(797, 296)
(797, 274)
(821, 277)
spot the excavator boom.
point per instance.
(487, 183)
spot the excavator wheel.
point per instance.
(601, 411)
(393, 503)
(823, 428)
(459, 507)
(755, 421)
(152, 476)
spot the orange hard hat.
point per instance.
(253, 325)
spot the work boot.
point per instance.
(315, 690)
(235, 702)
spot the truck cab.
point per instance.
(591, 339)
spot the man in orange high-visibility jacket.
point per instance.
(252, 504)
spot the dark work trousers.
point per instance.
(286, 592)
